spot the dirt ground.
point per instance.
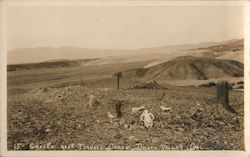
(58, 119)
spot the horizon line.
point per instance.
(92, 48)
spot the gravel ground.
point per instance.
(59, 119)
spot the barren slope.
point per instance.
(188, 67)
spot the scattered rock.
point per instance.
(111, 116)
(163, 108)
(79, 126)
(133, 138)
(181, 129)
(122, 121)
(92, 101)
(150, 85)
(126, 126)
(156, 140)
(177, 116)
(147, 119)
(118, 136)
(221, 123)
(135, 110)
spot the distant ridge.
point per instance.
(48, 64)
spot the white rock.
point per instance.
(147, 118)
(163, 108)
(92, 100)
(111, 116)
(136, 109)
(132, 138)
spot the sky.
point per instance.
(121, 27)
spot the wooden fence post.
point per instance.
(223, 95)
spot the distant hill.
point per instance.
(222, 49)
(188, 67)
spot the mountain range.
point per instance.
(108, 56)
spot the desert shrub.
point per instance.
(209, 84)
(239, 87)
(240, 82)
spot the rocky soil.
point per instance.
(59, 119)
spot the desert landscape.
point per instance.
(50, 105)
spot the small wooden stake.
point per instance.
(119, 75)
(118, 106)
